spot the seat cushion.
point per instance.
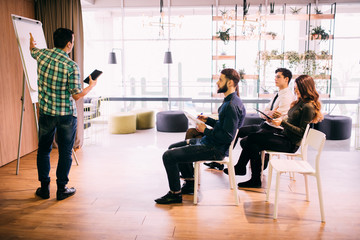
(171, 121)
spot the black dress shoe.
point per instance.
(65, 192)
(188, 187)
(43, 193)
(215, 165)
(240, 172)
(252, 183)
(170, 198)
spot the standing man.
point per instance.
(59, 87)
(215, 143)
(278, 106)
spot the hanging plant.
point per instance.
(272, 8)
(224, 35)
(310, 64)
(246, 8)
(294, 59)
(319, 33)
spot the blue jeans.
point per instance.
(182, 153)
(65, 127)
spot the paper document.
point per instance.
(192, 118)
(267, 116)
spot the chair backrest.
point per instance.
(232, 146)
(316, 140)
(303, 146)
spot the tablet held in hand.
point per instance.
(94, 75)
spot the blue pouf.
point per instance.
(252, 119)
(335, 127)
(171, 121)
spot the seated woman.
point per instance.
(305, 110)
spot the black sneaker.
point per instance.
(188, 187)
(170, 198)
(240, 172)
(215, 165)
(43, 193)
(250, 184)
(65, 192)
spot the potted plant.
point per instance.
(295, 10)
(224, 35)
(319, 33)
(318, 11)
(242, 75)
(272, 34)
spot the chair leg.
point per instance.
(233, 183)
(262, 163)
(196, 181)
(276, 194)
(269, 181)
(318, 181)
(306, 187)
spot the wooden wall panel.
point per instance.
(11, 82)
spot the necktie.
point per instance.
(272, 104)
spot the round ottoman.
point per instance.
(335, 127)
(171, 121)
(145, 119)
(122, 123)
(252, 119)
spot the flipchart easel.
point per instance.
(23, 26)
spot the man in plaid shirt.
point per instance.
(59, 87)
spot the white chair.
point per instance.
(229, 163)
(316, 140)
(279, 154)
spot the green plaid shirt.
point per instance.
(58, 79)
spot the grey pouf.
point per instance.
(171, 121)
(335, 127)
(252, 119)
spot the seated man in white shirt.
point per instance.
(277, 107)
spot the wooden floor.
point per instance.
(119, 177)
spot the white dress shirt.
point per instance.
(282, 103)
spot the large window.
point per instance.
(142, 73)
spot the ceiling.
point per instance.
(197, 3)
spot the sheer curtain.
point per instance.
(67, 14)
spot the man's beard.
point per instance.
(223, 89)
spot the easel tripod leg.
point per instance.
(21, 126)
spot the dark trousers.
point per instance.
(250, 129)
(65, 127)
(181, 153)
(187, 169)
(253, 144)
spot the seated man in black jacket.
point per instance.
(213, 146)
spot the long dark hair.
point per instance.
(308, 94)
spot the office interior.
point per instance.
(119, 175)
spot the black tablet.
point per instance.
(267, 116)
(94, 75)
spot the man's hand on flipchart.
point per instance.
(32, 42)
